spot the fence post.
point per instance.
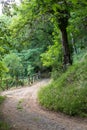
(7, 84)
(33, 78)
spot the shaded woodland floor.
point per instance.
(23, 112)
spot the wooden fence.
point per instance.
(20, 81)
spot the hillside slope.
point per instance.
(68, 93)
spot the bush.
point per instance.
(68, 93)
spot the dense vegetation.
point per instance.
(46, 37)
(68, 93)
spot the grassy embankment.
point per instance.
(68, 94)
(3, 125)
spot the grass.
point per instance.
(68, 93)
(3, 125)
(2, 98)
(19, 105)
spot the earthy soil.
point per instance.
(22, 111)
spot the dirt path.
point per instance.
(23, 112)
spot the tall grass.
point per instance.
(68, 93)
(3, 125)
(2, 98)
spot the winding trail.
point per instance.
(22, 111)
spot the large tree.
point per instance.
(35, 11)
(56, 10)
(60, 10)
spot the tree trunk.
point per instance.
(66, 50)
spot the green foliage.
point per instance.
(3, 69)
(36, 38)
(4, 35)
(78, 57)
(31, 36)
(13, 62)
(77, 26)
(68, 93)
(30, 70)
(19, 105)
(40, 29)
(52, 56)
(2, 98)
(4, 126)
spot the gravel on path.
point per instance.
(22, 110)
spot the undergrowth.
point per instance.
(3, 125)
(68, 93)
(2, 98)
